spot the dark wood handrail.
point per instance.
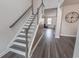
(20, 17)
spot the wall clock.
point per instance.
(72, 17)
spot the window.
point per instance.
(49, 21)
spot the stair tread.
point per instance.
(25, 26)
(29, 24)
(19, 44)
(31, 28)
(17, 47)
(22, 30)
(28, 21)
(22, 33)
(18, 52)
(23, 36)
(20, 41)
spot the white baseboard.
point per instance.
(68, 35)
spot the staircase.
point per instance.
(19, 46)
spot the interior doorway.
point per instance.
(50, 18)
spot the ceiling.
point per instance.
(50, 4)
(70, 2)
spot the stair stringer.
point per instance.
(29, 52)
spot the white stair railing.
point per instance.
(39, 14)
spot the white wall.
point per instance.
(50, 12)
(58, 24)
(50, 4)
(36, 4)
(76, 49)
(10, 10)
(69, 29)
(59, 17)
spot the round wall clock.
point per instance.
(72, 17)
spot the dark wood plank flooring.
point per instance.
(50, 47)
(38, 34)
(11, 54)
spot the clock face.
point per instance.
(72, 17)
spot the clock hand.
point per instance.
(72, 17)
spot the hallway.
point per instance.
(50, 47)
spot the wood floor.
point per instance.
(50, 47)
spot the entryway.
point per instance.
(50, 47)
